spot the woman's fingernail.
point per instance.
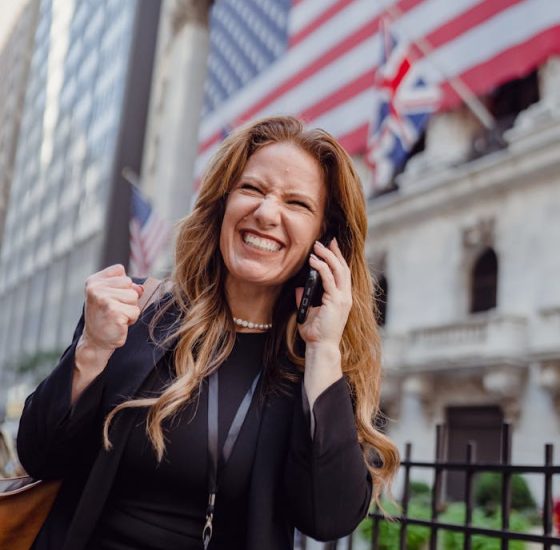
(312, 256)
(319, 244)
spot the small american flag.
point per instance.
(316, 58)
(403, 103)
(149, 234)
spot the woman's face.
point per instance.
(273, 215)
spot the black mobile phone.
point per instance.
(312, 286)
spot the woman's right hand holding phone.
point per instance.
(111, 307)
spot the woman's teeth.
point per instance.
(260, 243)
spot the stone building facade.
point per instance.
(15, 60)
(467, 252)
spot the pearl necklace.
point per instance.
(249, 324)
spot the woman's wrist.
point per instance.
(89, 363)
(326, 353)
(90, 358)
(323, 367)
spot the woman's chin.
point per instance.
(257, 278)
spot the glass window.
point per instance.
(484, 282)
(51, 308)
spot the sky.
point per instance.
(9, 10)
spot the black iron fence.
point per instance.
(543, 535)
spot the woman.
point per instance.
(133, 419)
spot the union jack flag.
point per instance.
(403, 104)
(315, 58)
(148, 234)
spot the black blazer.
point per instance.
(320, 485)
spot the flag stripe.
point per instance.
(353, 88)
(304, 13)
(314, 24)
(526, 55)
(354, 140)
(467, 20)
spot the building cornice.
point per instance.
(478, 342)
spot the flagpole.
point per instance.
(463, 91)
(131, 176)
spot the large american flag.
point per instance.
(317, 58)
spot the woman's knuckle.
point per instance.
(101, 302)
(88, 291)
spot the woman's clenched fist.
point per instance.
(111, 306)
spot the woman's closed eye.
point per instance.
(301, 204)
(250, 187)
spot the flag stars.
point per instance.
(246, 37)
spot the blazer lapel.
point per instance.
(267, 525)
(127, 369)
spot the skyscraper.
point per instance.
(83, 122)
(15, 57)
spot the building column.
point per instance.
(539, 402)
(415, 425)
(177, 96)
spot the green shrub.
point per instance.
(455, 513)
(389, 530)
(419, 488)
(488, 492)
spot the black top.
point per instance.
(162, 506)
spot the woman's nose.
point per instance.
(267, 213)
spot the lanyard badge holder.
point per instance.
(231, 438)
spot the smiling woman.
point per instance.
(225, 424)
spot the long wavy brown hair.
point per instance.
(203, 333)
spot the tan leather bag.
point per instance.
(24, 506)
(25, 502)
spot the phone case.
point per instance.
(312, 287)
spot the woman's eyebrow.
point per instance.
(255, 179)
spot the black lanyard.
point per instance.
(231, 438)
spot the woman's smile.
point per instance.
(259, 242)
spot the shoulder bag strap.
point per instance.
(151, 286)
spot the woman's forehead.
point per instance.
(285, 163)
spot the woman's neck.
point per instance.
(250, 302)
